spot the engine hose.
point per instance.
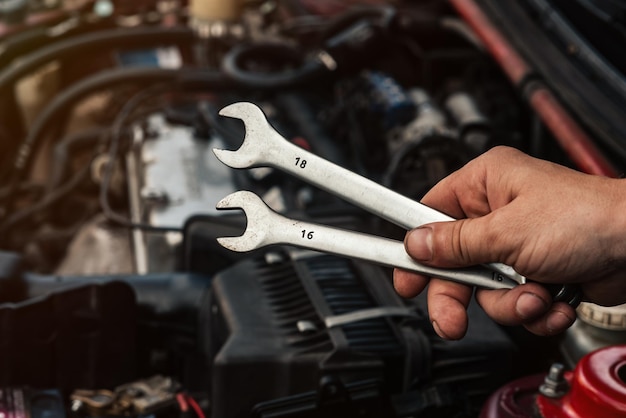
(385, 14)
(57, 109)
(567, 132)
(113, 38)
(23, 43)
(28, 41)
(233, 65)
(63, 150)
(121, 38)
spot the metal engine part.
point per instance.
(140, 397)
(173, 175)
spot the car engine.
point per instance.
(116, 298)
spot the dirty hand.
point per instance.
(552, 224)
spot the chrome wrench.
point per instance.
(266, 227)
(263, 146)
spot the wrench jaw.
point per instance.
(252, 151)
(256, 212)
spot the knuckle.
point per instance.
(450, 246)
(502, 151)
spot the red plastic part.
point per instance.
(598, 388)
(515, 400)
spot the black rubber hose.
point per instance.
(113, 38)
(57, 109)
(234, 62)
(23, 43)
(73, 47)
(63, 150)
(385, 14)
(28, 41)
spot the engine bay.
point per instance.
(116, 298)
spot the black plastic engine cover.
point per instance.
(258, 351)
(267, 337)
(81, 337)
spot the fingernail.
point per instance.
(419, 243)
(558, 322)
(438, 330)
(530, 306)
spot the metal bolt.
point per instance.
(274, 258)
(153, 195)
(554, 384)
(76, 405)
(306, 327)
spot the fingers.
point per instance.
(559, 318)
(447, 301)
(529, 305)
(523, 304)
(447, 305)
(407, 284)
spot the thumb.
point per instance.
(459, 243)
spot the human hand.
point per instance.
(552, 224)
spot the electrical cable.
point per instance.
(183, 405)
(117, 132)
(195, 406)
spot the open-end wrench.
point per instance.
(266, 227)
(263, 146)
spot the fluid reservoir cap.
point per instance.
(611, 318)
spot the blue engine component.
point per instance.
(388, 100)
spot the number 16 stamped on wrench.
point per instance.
(264, 147)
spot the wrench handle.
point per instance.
(378, 250)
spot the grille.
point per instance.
(290, 305)
(344, 292)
